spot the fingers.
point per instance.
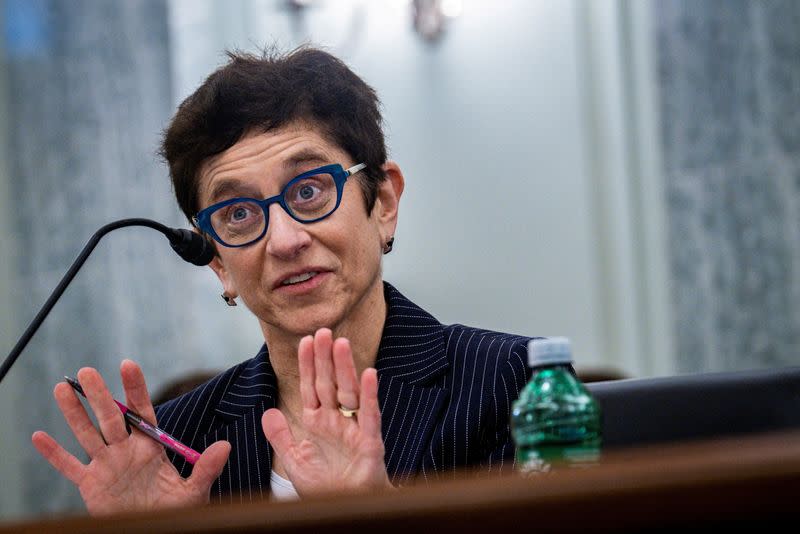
(209, 466)
(346, 380)
(78, 420)
(324, 380)
(369, 413)
(305, 360)
(137, 397)
(109, 417)
(328, 375)
(64, 462)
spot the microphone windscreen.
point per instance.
(192, 246)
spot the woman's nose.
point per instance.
(285, 236)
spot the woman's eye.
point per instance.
(311, 197)
(307, 192)
(239, 213)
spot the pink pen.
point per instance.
(153, 431)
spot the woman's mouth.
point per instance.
(298, 284)
(299, 278)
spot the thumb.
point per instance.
(210, 465)
(277, 431)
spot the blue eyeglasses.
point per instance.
(307, 198)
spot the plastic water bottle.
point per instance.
(555, 422)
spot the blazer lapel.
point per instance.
(411, 357)
(250, 394)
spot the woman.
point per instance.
(281, 161)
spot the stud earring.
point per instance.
(230, 301)
(387, 248)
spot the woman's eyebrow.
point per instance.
(233, 187)
(303, 156)
(229, 186)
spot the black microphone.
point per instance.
(191, 246)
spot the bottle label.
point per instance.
(534, 464)
(583, 456)
(544, 458)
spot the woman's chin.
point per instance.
(304, 322)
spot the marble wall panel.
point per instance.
(729, 76)
(89, 92)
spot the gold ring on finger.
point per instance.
(348, 412)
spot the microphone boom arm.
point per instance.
(181, 241)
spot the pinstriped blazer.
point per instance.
(445, 393)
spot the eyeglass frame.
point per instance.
(202, 220)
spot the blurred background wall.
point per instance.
(621, 172)
(729, 80)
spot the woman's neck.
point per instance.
(363, 327)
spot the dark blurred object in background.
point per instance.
(599, 374)
(181, 385)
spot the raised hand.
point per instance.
(126, 471)
(337, 453)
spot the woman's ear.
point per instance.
(219, 269)
(388, 199)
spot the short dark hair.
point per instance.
(268, 91)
